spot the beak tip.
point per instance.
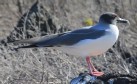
(128, 22)
(124, 21)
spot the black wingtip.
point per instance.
(29, 46)
(12, 41)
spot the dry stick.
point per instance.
(104, 55)
(39, 15)
(43, 68)
(24, 25)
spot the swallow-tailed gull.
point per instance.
(85, 42)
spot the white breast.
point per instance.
(93, 47)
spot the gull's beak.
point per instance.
(120, 20)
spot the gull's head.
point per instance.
(111, 18)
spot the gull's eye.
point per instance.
(113, 16)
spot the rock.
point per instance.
(46, 65)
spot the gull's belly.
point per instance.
(91, 47)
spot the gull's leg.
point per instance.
(92, 69)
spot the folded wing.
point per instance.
(65, 39)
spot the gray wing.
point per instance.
(69, 38)
(38, 39)
(72, 37)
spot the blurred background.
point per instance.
(22, 19)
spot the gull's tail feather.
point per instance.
(35, 39)
(32, 46)
(29, 46)
(29, 41)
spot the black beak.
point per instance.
(120, 20)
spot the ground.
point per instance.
(21, 19)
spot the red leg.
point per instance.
(92, 69)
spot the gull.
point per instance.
(85, 42)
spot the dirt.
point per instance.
(27, 19)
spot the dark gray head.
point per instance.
(111, 18)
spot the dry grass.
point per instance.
(50, 66)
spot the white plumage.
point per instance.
(93, 47)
